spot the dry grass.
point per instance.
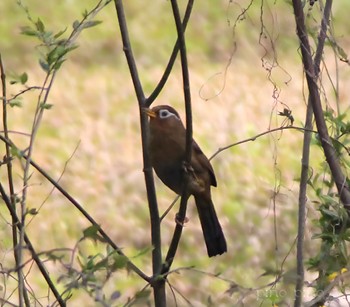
(95, 125)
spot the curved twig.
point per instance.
(172, 59)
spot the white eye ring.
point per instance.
(164, 113)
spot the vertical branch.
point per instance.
(128, 51)
(187, 95)
(17, 246)
(305, 161)
(159, 287)
(302, 207)
(311, 78)
(4, 123)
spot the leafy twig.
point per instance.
(16, 241)
(305, 164)
(311, 78)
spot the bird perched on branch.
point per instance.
(167, 149)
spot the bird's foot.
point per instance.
(188, 169)
(195, 184)
(180, 221)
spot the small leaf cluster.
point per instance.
(93, 271)
(339, 127)
(334, 221)
(53, 47)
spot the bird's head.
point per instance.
(164, 117)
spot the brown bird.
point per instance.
(167, 149)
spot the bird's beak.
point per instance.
(149, 112)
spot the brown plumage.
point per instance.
(167, 148)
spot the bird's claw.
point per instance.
(179, 222)
(187, 167)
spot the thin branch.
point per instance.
(311, 78)
(30, 247)
(131, 266)
(254, 138)
(159, 291)
(27, 89)
(58, 180)
(187, 96)
(169, 208)
(172, 59)
(16, 246)
(305, 163)
(128, 52)
(151, 193)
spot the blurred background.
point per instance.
(244, 69)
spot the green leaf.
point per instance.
(32, 211)
(119, 261)
(346, 235)
(15, 152)
(329, 213)
(58, 64)
(16, 102)
(60, 33)
(342, 53)
(44, 65)
(85, 13)
(55, 54)
(143, 251)
(28, 31)
(46, 106)
(76, 24)
(91, 23)
(23, 78)
(40, 26)
(91, 231)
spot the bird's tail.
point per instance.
(213, 235)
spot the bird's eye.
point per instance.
(165, 114)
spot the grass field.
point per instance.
(91, 137)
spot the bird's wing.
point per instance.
(200, 158)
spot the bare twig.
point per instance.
(27, 89)
(151, 193)
(187, 95)
(254, 138)
(58, 180)
(172, 59)
(170, 207)
(30, 247)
